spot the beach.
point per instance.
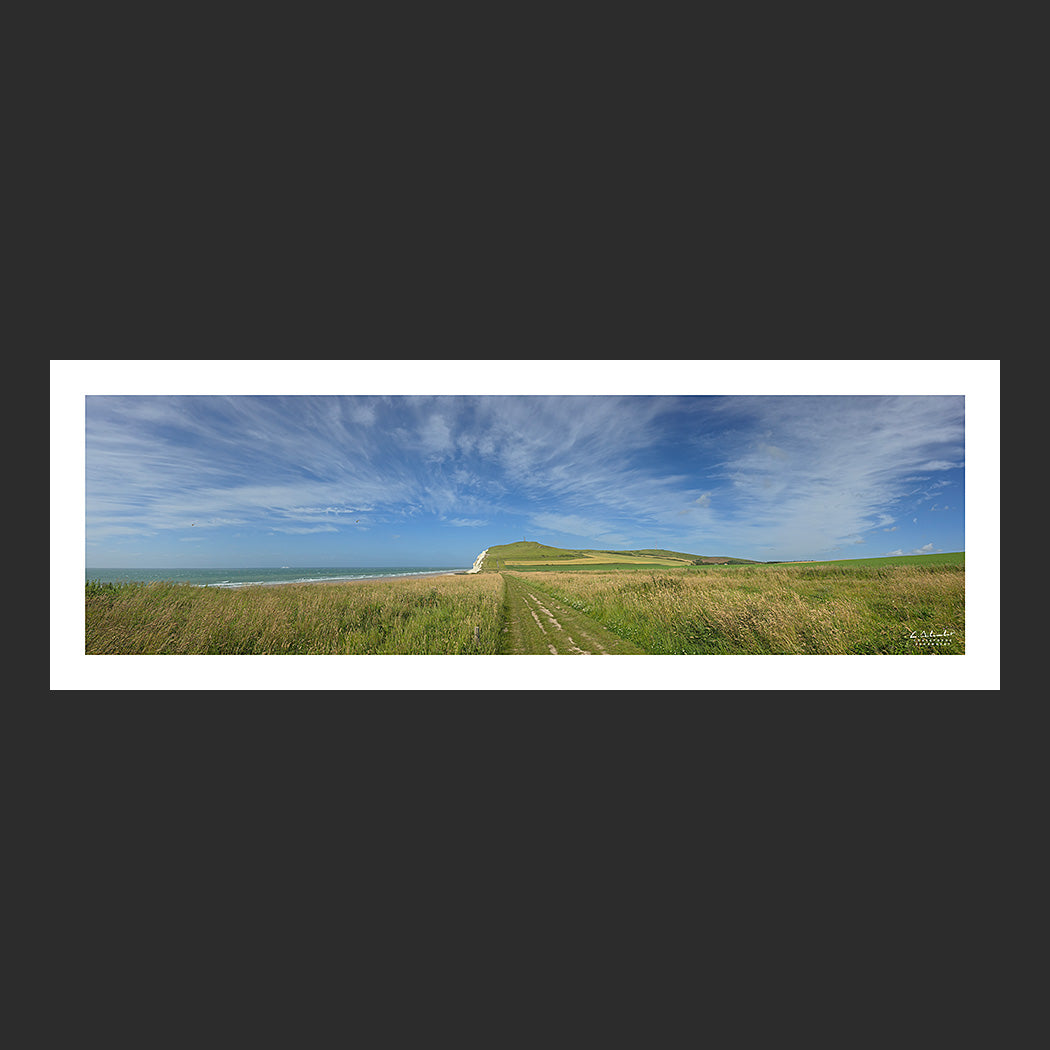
(379, 579)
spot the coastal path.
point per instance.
(538, 624)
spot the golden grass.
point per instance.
(784, 609)
(655, 563)
(428, 616)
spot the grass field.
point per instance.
(905, 605)
(527, 555)
(958, 558)
(895, 606)
(433, 616)
(587, 566)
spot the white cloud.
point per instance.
(795, 473)
(301, 530)
(840, 466)
(572, 524)
(926, 549)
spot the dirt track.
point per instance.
(538, 624)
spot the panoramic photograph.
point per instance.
(506, 524)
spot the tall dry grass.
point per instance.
(427, 616)
(775, 609)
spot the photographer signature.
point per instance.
(941, 637)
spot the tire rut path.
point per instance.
(537, 624)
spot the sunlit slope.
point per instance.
(528, 554)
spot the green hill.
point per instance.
(529, 550)
(528, 554)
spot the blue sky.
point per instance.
(210, 480)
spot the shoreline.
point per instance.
(226, 579)
(364, 579)
(334, 583)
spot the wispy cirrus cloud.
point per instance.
(160, 462)
(577, 525)
(826, 470)
(710, 474)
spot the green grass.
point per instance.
(526, 550)
(528, 554)
(904, 605)
(596, 566)
(956, 558)
(679, 556)
(433, 616)
(888, 608)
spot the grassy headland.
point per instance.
(527, 555)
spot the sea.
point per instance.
(248, 577)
